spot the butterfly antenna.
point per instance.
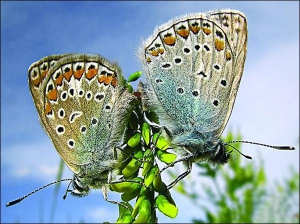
(248, 157)
(67, 191)
(270, 146)
(26, 196)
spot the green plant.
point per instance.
(238, 193)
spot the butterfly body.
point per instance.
(84, 107)
(193, 65)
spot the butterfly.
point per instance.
(193, 67)
(84, 106)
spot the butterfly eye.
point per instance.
(195, 93)
(61, 113)
(180, 90)
(71, 143)
(71, 92)
(81, 93)
(64, 95)
(83, 129)
(60, 129)
(206, 47)
(177, 60)
(158, 80)
(88, 95)
(202, 74)
(186, 50)
(107, 107)
(74, 115)
(217, 67)
(94, 122)
(223, 82)
(99, 97)
(166, 65)
(197, 47)
(216, 103)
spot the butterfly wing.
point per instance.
(83, 106)
(193, 66)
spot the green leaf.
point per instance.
(144, 212)
(161, 143)
(124, 214)
(133, 165)
(148, 161)
(134, 76)
(165, 207)
(151, 175)
(128, 196)
(130, 88)
(146, 132)
(142, 196)
(134, 140)
(166, 157)
(157, 183)
(127, 186)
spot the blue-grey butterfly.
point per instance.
(193, 66)
(84, 106)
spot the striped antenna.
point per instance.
(31, 193)
(270, 146)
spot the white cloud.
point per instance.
(103, 213)
(267, 106)
(37, 160)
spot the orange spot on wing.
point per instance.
(91, 73)
(228, 56)
(68, 75)
(161, 50)
(219, 44)
(44, 73)
(114, 81)
(52, 94)
(195, 29)
(154, 53)
(108, 79)
(48, 109)
(78, 73)
(207, 31)
(148, 60)
(58, 81)
(36, 82)
(169, 40)
(101, 78)
(183, 32)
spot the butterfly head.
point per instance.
(221, 155)
(80, 188)
(199, 147)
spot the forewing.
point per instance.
(193, 66)
(77, 102)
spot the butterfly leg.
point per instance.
(122, 149)
(187, 160)
(105, 193)
(110, 181)
(153, 124)
(181, 176)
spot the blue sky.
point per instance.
(266, 108)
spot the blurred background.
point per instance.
(266, 108)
